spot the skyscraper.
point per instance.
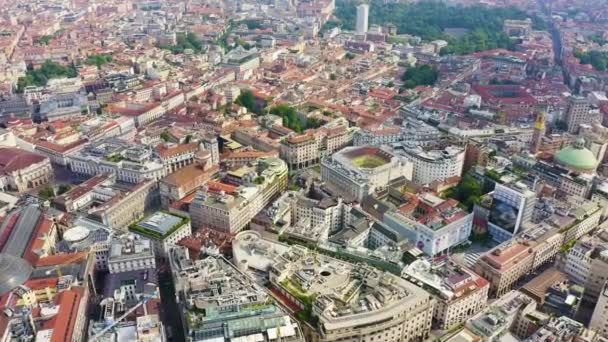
(577, 113)
(539, 132)
(362, 18)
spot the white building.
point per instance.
(431, 223)
(362, 18)
(351, 302)
(586, 264)
(124, 254)
(434, 165)
(356, 172)
(459, 292)
(130, 163)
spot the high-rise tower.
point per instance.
(362, 18)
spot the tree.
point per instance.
(599, 60)
(468, 191)
(47, 71)
(332, 77)
(183, 42)
(47, 192)
(420, 75)
(63, 188)
(165, 136)
(248, 100)
(429, 19)
(98, 59)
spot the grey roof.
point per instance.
(22, 232)
(14, 271)
(141, 278)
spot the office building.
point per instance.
(308, 149)
(115, 207)
(432, 165)
(504, 265)
(577, 113)
(164, 229)
(356, 172)
(125, 253)
(512, 206)
(506, 316)
(230, 204)
(350, 302)
(586, 264)
(220, 303)
(432, 224)
(129, 162)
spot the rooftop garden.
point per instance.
(115, 158)
(368, 161)
(136, 228)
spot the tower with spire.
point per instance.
(539, 132)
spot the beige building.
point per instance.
(126, 207)
(586, 264)
(459, 292)
(351, 303)
(300, 151)
(21, 170)
(356, 172)
(305, 150)
(599, 319)
(185, 181)
(174, 157)
(230, 208)
(507, 263)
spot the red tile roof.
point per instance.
(13, 159)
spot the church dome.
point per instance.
(577, 157)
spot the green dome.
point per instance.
(577, 157)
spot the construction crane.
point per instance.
(145, 299)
